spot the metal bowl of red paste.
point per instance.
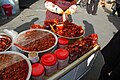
(5, 42)
(39, 40)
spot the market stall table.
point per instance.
(60, 74)
(77, 68)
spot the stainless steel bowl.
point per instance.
(43, 51)
(10, 38)
(24, 57)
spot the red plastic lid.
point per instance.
(37, 69)
(61, 54)
(63, 41)
(7, 6)
(48, 59)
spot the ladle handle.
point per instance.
(12, 33)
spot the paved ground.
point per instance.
(102, 24)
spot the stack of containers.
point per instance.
(50, 63)
(63, 57)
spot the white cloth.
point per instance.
(52, 7)
(73, 8)
(56, 9)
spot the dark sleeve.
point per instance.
(111, 52)
(115, 75)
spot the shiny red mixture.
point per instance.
(35, 40)
(69, 30)
(5, 42)
(80, 47)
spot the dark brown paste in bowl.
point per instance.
(13, 67)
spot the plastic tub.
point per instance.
(33, 56)
(63, 57)
(50, 63)
(62, 42)
(38, 71)
(7, 9)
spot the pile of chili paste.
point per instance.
(35, 40)
(5, 42)
(13, 67)
(69, 29)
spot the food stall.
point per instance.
(38, 43)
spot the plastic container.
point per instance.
(14, 3)
(62, 42)
(50, 63)
(38, 71)
(63, 58)
(33, 56)
(7, 9)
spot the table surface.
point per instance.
(57, 75)
(71, 66)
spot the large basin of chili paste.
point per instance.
(39, 40)
(14, 66)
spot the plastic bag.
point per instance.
(5, 42)
(13, 66)
(35, 40)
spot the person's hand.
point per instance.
(68, 12)
(59, 11)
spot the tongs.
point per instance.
(51, 26)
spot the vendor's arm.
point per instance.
(71, 9)
(53, 8)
